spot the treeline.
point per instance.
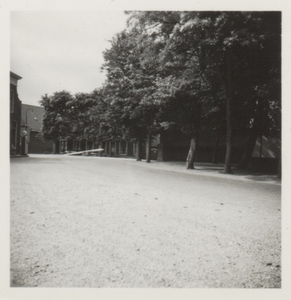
(182, 70)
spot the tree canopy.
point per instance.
(186, 70)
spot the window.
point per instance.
(14, 134)
(11, 101)
(123, 148)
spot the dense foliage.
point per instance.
(182, 70)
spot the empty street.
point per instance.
(109, 222)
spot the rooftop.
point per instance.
(14, 75)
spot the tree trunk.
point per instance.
(227, 167)
(148, 146)
(214, 157)
(138, 150)
(192, 153)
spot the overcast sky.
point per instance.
(60, 50)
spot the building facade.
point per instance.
(15, 116)
(31, 123)
(117, 148)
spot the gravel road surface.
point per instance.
(107, 222)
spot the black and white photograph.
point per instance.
(145, 152)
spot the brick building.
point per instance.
(15, 115)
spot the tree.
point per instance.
(56, 124)
(172, 89)
(95, 116)
(251, 50)
(67, 116)
(264, 85)
(187, 70)
(130, 85)
(225, 47)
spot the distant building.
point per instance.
(15, 115)
(123, 148)
(31, 123)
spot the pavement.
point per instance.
(109, 222)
